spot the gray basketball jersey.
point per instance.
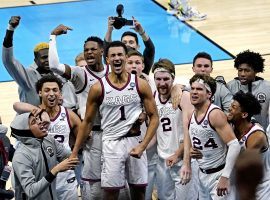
(120, 107)
(204, 138)
(170, 129)
(261, 90)
(60, 127)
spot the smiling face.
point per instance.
(42, 61)
(246, 74)
(38, 127)
(235, 113)
(50, 94)
(164, 82)
(117, 59)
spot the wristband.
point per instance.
(10, 28)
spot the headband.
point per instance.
(161, 69)
(204, 84)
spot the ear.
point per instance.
(244, 115)
(39, 93)
(107, 60)
(193, 69)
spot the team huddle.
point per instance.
(116, 133)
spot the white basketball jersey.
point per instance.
(120, 107)
(265, 153)
(204, 138)
(91, 77)
(60, 127)
(170, 129)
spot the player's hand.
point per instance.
(67, 164)
(142, 117)
(170, 161)
(185, 174)
(176, 95)
(42, 118)
(137, 151)
(137, 26)
(110, 23)
(223, 186)
(61, 29)
(14, 21)
(195, 153)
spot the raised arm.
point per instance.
(21, 107)
(15, 69)
(87, 124)
(54, 63)
(151, 110)
(149, 51)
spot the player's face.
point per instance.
(198, 94)
(117, 59)
(246, 74)
(164, 82)
(92, 53)
(135, 64)
(235, 112)
(130, 41)
(81, 63)
(41, 59)
(202, 66)
(50, 94)
(38, 127)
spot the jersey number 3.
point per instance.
(210, 143)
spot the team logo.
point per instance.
(132, 84)
(49, 149)
(205, 122)
(261, 97)
(63, 116)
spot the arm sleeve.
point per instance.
(148, 55)
(23, 168)
(54, 62)
(233, 151)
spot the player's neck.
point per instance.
(118, 80)
(242, 128)
(201, 109)
(96, 68)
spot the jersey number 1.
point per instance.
(122, 110)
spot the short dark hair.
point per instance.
(132, 52)
(248, 103)
(207, 79)
(48, 78)
(253, 59)
(116, 44)
(129, 33)
(95, 39)
(202, 55)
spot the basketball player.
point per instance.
(170, 135)
(63, 122)
(26, 78)
(118, 97)
(250, 135)
(210, 135)
(83, 77)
